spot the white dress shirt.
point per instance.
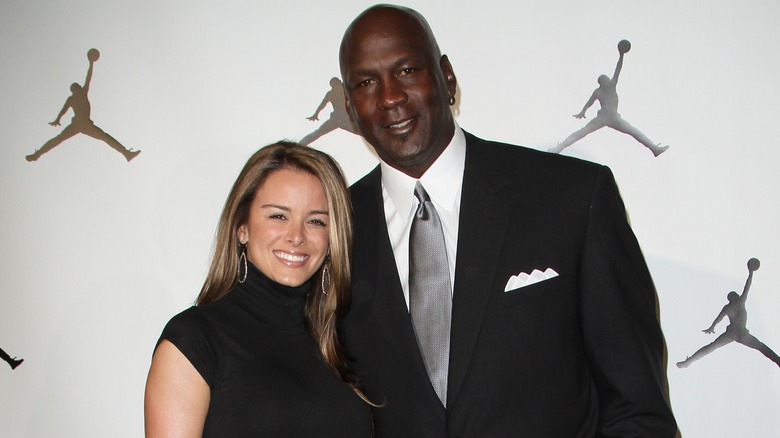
(443, 182)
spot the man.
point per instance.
(575, 355)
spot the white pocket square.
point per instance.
(522, 279)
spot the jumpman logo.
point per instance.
(81, 122)
(737, 328)
(12, 361)
(338, 117)
(608, 115)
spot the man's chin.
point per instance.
(411, 159)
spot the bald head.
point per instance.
(387, 19)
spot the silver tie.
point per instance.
(430, 299)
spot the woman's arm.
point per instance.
(177, 397)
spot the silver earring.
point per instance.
(452, 100)
(242, 261)
(325, 273)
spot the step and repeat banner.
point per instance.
(123, 125)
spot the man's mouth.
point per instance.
(400, 125)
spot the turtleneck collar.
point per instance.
(276, 305)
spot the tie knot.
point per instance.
(420, 193)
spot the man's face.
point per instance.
(397, 90)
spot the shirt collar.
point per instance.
(442, 180)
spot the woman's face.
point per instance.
(287, 231)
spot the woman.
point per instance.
(259, 354)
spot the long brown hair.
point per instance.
(323, 307)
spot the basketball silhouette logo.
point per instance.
(81, 123)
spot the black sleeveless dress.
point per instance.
(266, 376)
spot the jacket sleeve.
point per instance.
(620, 324)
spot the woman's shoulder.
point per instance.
(190, 323)
(192, 333)
(187, 319)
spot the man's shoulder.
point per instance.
(370, 182)
(521, 158)
(365, 192)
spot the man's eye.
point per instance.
(365, 83)
(407, 71)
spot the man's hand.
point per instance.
(313, 118)
(55, 123)
(709, 331)
(579, 116)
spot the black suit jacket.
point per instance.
(578, 355)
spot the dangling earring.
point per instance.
(242, 261)
(325, 274)
(452, 100)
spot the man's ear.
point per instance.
(449, 75)
(347, 104)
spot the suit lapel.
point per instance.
(483, 224)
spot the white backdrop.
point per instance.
(98, 253)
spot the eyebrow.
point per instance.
(395, 64)
(286, 208)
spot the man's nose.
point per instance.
(392, 95)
